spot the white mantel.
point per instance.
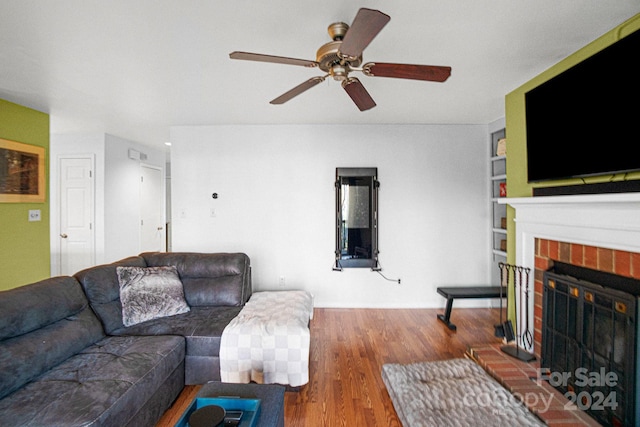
(601, 220)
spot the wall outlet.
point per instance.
(34, 215)
(281, 281)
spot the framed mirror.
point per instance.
(356, 218)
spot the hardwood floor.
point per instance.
(348, 349)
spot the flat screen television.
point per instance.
(586, 120)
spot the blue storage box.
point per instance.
(250, 409)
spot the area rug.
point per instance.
(454, 392)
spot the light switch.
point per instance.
(34, 215)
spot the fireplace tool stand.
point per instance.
(507, 327)
(500, 327)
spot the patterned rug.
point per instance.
(455, 392)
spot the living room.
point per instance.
(276, 195)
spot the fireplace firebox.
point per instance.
(590, 341)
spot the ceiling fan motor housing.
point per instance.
(328, 56)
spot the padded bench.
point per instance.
(451, 293)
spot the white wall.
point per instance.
(122, 195)
(276, 203)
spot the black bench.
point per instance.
(451, 293)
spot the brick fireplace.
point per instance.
(598, 232)
(601, 231)
(620, 262)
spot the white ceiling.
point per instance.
(134, 68)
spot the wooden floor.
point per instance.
(348, 349)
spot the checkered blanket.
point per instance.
(268, 342)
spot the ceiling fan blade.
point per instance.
(271, 58)
(366, 25)
(433, 73)
(358, 94)
(297, 90)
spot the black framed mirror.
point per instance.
(356, 218)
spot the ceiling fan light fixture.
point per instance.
(339, 72)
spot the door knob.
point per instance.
(160, 228)
(64, 236)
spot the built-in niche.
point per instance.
(356, 218)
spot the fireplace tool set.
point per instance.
(506, 329)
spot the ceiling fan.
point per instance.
(343, 55)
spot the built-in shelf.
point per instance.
(498, 182)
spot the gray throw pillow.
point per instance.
(150, 293)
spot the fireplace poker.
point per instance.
(527, 338)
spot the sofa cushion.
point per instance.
(104, 385)
(103, 290)
(23, 308)
(148, 293)
(42, 324)
(208, 278)
(202, 327)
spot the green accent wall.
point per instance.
(24, 245)
(516, 132)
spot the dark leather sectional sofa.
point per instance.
(66, 359)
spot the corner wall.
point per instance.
(24, 245)
(122, 199)
(516, 125)
(117, 192)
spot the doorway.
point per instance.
(77, 206)
(152, 225)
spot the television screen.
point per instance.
(586, 120)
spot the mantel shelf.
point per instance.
(570, 200)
